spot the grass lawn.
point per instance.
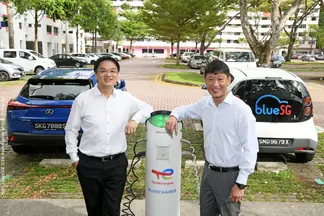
(184, 77)
(174, 66)
(17, 82)
(63, 183)
(171, 60)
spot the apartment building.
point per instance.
(52, 36)
(231, 37)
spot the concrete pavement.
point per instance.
(54, 207)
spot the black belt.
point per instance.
(103, 159)
(222, 169)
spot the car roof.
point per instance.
(264, 73)
(65, 73)
(233, 49)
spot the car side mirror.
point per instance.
(204, 87)
(256, 60)
(30, 58)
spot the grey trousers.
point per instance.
(215, 193)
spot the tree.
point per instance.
(96, 17)
(298, 19)
(263, 48)
(55, 9)
(172, 17)
(10, 24)
(211, 18)
(132, 26)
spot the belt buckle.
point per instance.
(107, 158)
(209, 166)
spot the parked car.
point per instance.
(241, 58)
(84, 56)
(30, 60)
(282, 107)
(9, 70)
(186, 56)
(37, 116)
(196, 61)
(308, 58)
(66, 60)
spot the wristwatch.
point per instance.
(241, 186)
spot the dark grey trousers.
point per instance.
(215, 193)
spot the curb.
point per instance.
(180, 83)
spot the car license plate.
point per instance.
(274, 142)
(51, 126)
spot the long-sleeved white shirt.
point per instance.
(103, 122)
(229, 132)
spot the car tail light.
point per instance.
(12, 138)
(307, 107)
(16, 105)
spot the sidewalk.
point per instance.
(55, 207)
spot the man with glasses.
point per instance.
(105, 115)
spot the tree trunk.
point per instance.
(178, 51)
(292, 40)
(96, 41)
(93, 38)
(67, 47)
(196, 46)
(36, 31)
(10, 25)
(131, 47)
(77, 39)
(172, 45)
(202, 44)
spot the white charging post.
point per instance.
(163, 167)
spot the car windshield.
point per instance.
(36, 54)
(55, 89)
(239, 57)
(273, 100)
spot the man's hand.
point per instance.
(131, 127)
(75, 164)
(237, 194)
(172, 125)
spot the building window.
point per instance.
(146, 50)
(20, 25)
(303, 26)
(228, 41)
(70, 32)
(159, 51)
(236, 41)
(30, 25)
(49, 29)
(237, 33)
(55, 31)
(313, 18)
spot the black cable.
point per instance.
(130, 196)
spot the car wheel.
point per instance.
(77, 64)
(304, 157)
(38, 69)
(21, 149)
(202, 71)
(4, 76)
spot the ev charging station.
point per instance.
(163, 168)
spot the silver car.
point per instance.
(9, 70)
(196, 61)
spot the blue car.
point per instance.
(37, 117)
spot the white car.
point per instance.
(84, 56)
(283, 109)
(28, 59)
(9, 70)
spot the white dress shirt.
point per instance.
(103, 122)
(229, 132)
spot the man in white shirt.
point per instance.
(105, 115)
(230, 142)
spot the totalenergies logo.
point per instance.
(165, 174)
(262, 109)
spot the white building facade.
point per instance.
(52, 36)
(231, 37)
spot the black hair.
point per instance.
(217, 66)
(105, 58)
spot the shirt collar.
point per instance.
(228, 99)
(98, 93)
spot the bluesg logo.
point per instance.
(166, 174)
(262, 109)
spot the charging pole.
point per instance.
(163, 167)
